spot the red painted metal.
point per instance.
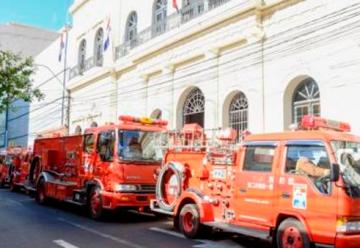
(215, 177)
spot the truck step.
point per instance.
(62, 183)
(75, 202)
(80, 191)
(154, 206)
(29, 187)
(240, 230)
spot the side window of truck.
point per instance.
(259, 158)
(105, 145)
(309, 161)
(88, 143)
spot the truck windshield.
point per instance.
(138, 146)
(348, 157)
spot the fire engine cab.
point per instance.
(106, 168)
(299, 188)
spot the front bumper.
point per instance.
(347, 241)
(113, 200)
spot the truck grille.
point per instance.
(147, 188)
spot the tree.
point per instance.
(15, 80)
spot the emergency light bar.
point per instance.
(313, 122)
(142, 120)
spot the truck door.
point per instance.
(254, 184)
(105, 152)
(305, 189)
(89, 155)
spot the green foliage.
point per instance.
(15, 80)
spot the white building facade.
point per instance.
(249, 64)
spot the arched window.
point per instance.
(238, 112)
(194, 108)
(156, 114)
(82, 56)
(306, 100)
(131, 29)
(98, 47)
(159, 18)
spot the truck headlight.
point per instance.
(347, 225)
(125, 188)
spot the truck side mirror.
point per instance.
(335, 172)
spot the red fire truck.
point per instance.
(106, 168)
(299, 188)
(4, 169)
(10, 160)
(20, 169)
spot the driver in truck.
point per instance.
(305, 166)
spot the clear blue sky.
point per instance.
(49, 14)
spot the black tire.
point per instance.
(95, 203)
(189, 221)
(176, 223)
(13, 187)
(2, 182)
(40, 196)
(292, 232)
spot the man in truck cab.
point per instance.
(129, 146)
(312, 162)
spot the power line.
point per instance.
(268, 45)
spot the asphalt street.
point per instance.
(24, 223)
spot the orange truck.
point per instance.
(20, 170)
(105, 168)
(11, 161)
(4, 168)
(297, 189)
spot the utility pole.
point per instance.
(64, 80)
(68, 110)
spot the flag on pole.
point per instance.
(62, 46)
(175, 6)
(108, 30)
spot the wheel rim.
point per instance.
(292, 238)
(95, 203)
(188, 222)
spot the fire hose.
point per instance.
(177, 170)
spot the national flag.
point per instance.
(175, 6)
(62, 46)
(108, 30)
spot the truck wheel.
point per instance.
(41, 197)
(176, 222)
(189, 221)
(2, 182)
(13, 187)
(95, 203)
(292, 234)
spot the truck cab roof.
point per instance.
(327, 135)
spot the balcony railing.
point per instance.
(186, 14)
(81, 68)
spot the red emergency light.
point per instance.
(142, 120)
(313, 122)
